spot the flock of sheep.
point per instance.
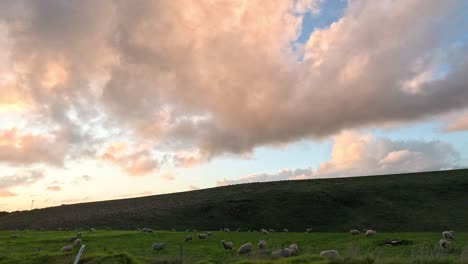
(291, 250)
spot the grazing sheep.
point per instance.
(202, 236)
(14, 236)
(264, 231)
(285, 230)
(285, 252)
(354, 232)
(294, 249)
(209, 233)
(226, 245)
(444, 244)
(271, 230)
(59, 229)
(79, 234)
(227, 230)
(158, 246)
(77, 242)
(238, 229)
(147, 230)
(194, 230)
(73, 239)
(188, 238)
(370, 232)
(173, 230)
(244, 249)
(92, 230)
(188, 230)
(42, 229)
(329, 254)
(309, 230)
(448, 235)
(262, 244)
(68, 248)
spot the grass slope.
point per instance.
(430, 201)
(132, 247)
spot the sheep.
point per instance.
(294, 249)
(370, 232)
(262, 244)
(209, 233)
(188, 238)
(202, 236)
(73, 239)
(92, 229)
(68, 248)
(285, 230)
(77, 242)
(309, 230)
(14, 236)
(264, 231)
(79, 234)
(444, 244)
(354, 232)
(271, 230)
(226, 245)
(329, 254)
(285, 252)
(42, 229)
(244, 249)
(173, 230)
(158, 246)
(147, 230)
(238, 229)
(448, 235)
(227, 230)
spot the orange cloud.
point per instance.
(135, 162)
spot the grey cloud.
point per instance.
(20, 179)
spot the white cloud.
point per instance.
(355, 154)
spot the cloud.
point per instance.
(54, 188)
(167, 176)
(212, 78)
(20, 179)
(457, 124)
(193, 188)
(23, 149)
(86, 177)
(134, 162)
(355, 154)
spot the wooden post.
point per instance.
(77, 259)
(180, 253)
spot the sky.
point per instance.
(112, 99)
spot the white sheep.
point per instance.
(238, 229)
(227, 245)
(67, 248)
(188, 238)
(285, 230)
(92, 230)
(209, 233)
(309, 230)
(264, 231)
(448, 235)
(294, 249)
(271, 230)
(285, 252)
(262, 244)
(329, 254)
(354, 232)
(227, 230)
(147, 230)
(77, 242)
(79, 234)
(444, 244)
(202, 236)
(158, 246)
(244, 249)
(370, 232)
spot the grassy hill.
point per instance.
(429, 201)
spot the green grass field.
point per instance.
(135, 247)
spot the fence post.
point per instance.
(180, 253)
(77, 259)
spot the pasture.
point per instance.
(108, 247)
